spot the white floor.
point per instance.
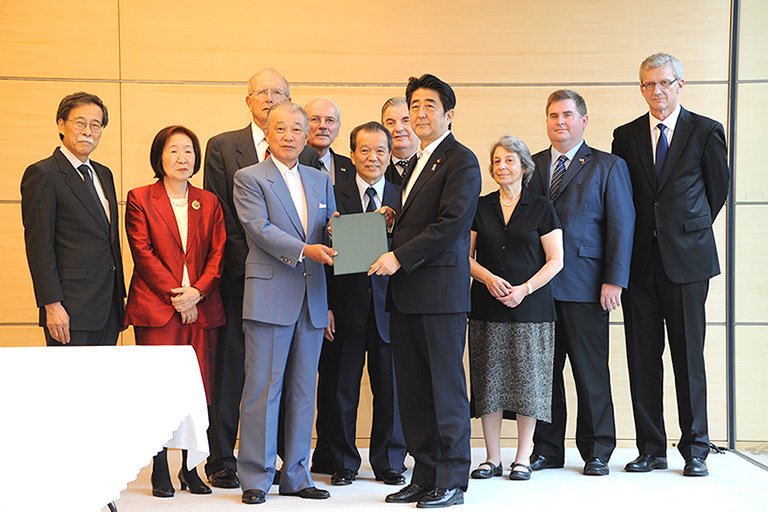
(734, 484)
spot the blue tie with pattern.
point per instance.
(557, 177)
(661, 151)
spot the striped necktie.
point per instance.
(557, 177)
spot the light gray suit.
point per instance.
(284, 311)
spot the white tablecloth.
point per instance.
(78, 423)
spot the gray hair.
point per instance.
(291, 108)
(394, 101)
(517, 146)
(271, 71)
(659, 59)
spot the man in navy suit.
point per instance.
(324, 125)
(429, 298)
(397, 119)
(592, 195)
(679, 170)
(284, 209)
(359, 325)
(71, 232)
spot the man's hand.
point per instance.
(320, 253)
(57, 321)
(389, 215)
(186, 298)
(386, 265)
(329, 331)
(335, 214)
(610, 297)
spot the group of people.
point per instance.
(241, 271)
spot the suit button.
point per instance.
(657, 204)
(303, 274)
(112, 268)
(368, 290)
(503, 247)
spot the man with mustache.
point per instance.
(324, 124)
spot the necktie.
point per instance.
(86, 173)
(661, 151)
(404, 165)
(557, 177)
(266, 153)
(371, 193)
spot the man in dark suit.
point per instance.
(592, 195)
(225, 154)
(71, 231)
(679, 170)
(359, 325)
(324, 125)
(396, 118)
(429, 300)
(284, 208)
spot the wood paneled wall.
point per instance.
(160, 62)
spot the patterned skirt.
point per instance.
(510, 368)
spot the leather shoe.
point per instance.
(343, 477)
(695, 467)
(254, 497)
(596, 467)
(646, 463)
(490, 470)
(439, 497)
(225, 478)
(517, 474)
(391, 477)
(539, 462)
(309, 493)
(409, 494)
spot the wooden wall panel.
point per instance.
(29, 133)
(17, 300)
(59, 39)
(21, 336)
(753, 45)
(369, 42)
(751, 383)
(751, 178)
(751, 279)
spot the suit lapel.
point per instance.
(679, 140)
(194, 216)
(339, 168)
(109, 192)
(433, 164)
(280, 189)
(351, 198)
(311, 195)
(246, 150)
(75, 182)
(644, 148)
(162, 205)
(391, 195)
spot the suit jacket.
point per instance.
(350, 296)
(595, 208)
(276, 281)
(73, 254)
(159, 256)
(343, 166)
(680, 209)
(432, 231)
(392, 175)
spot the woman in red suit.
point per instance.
(176, 233)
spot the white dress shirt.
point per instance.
(97, 184)
(669, 129)
(423, 156)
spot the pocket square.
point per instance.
(323, 205)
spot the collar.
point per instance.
(569, 154)
(433, 145)
(258, 134)
(326, 159)
(363, 185)
(284, 170)
(670, 122)
(73, 159)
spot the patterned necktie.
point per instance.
(404, 165)
(266, 153)
(371, 193)
(661, 151)
(86, 173)
(557, 177)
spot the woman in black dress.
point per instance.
(517, 248)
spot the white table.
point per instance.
(78, 423)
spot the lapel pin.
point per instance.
(196, 204)
(434, 166)
(581, 161)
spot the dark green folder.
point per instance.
(359, 238)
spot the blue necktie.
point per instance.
(661, 151)
(557, 177)
(370, 192)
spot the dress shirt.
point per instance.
(97, 184)
(295, 187)
(669, 129)
(259, 142)
(423, 156)
(327, 165)
(363, 185)
(556, 154)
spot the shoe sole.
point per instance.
(458, 501)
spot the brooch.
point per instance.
(196, 204)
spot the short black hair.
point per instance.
(161, 139)
(370, 127)
(426, 81)
(75, 100)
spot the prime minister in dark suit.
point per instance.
(592, 195)
(69, 210)
(429, 298)
(677, 161)
(359, 325)
(284, 209)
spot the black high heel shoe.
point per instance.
(161, 477)
(190, 478)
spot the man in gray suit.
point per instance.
(284, 208)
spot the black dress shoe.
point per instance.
(539, 462)
(192, 480)
(524, 473)
(391, 477)
(343, 477)
(646, 463)
(276, 478)
(309, 493)
(254, 497)
(438, 498)
(408, 494)
(695, 467)
(596, 467)
(486, 470)
(225, 478)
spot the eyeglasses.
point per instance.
(264, 93)
(664, 84)
(80, 125)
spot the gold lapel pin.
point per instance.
(196, 204)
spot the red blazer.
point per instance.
(158, 256)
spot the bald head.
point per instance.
(266, 88)
(324, 123)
